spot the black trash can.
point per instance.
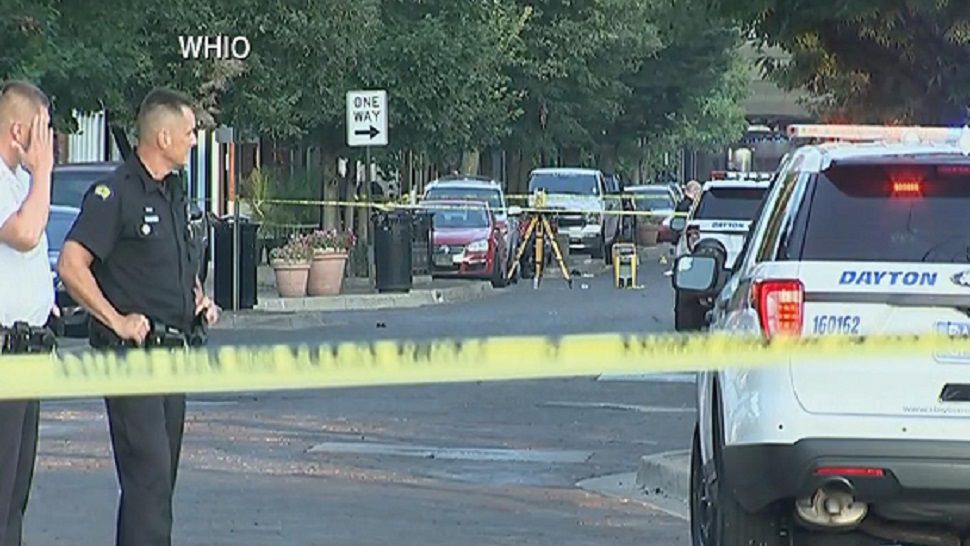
(392, 251)
(247, 263)
(421, 238)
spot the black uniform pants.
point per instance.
(146, 435)
(18, 450)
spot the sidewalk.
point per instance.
(357, 295)
(665, 474)
(662, 482)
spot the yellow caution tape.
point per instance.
(389, 206)
(236, 369)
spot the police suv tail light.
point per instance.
(781, 306)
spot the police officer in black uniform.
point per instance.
(130, 260)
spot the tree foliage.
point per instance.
(537, 76)
(869, 60)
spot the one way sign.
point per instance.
(367, 118)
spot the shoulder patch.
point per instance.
(102, 191)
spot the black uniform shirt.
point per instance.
(137, 229)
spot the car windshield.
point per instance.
(488, 195)
(460, 217)
(57, 228)
(571, 183)
(897, 213)
(69, 186)
(653, 201)
(729, 204)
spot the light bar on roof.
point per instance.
(950, 135)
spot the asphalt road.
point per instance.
(488, 463)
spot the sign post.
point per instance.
(367, 127)
(227, 135)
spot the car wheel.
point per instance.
(526, 265)
(688, 314)
(702, 510)
(499, 279)
(717, 519)
(599, 249)
(518, 270)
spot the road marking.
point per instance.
(463, 454)
(620, 407)
(207, 403)
(648, 378)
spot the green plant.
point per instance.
(267, 186)
(256, 189)
(358, 262)
(298, 250)
(332, 240)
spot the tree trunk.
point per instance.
(331, 187)
(351, 212)
(512, 171)
(407, 172)
(607, 158)
(571, 156)
(470, 162)
(363, 218)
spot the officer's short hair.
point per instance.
(160, 100)
(16, 93)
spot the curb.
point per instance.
(356, 302)
(666, 473)
(303, 312)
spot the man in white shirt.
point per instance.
(26, 289)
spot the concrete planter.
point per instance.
(326, 275)
(291, 278)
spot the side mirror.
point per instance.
(678, 223)
(695, 273)
(515, 210)
(196, 213)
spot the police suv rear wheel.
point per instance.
(717, 519)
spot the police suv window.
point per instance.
(729, 203)
(895, 213)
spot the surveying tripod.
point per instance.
(539, 228)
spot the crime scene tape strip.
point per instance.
(389, 206)
(384, 363)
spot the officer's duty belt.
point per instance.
(21, 338)
(160, 335)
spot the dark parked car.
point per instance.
(72, 180)
(74, 316)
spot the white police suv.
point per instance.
(864, 238)
(723, 213)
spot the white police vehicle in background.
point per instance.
(723, 213)
(866, 238)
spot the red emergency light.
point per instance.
(907, 188)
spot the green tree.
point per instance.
(444, 64)
(570, 77)
(688, 93)
(869, 60)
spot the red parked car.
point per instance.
(467, 241)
